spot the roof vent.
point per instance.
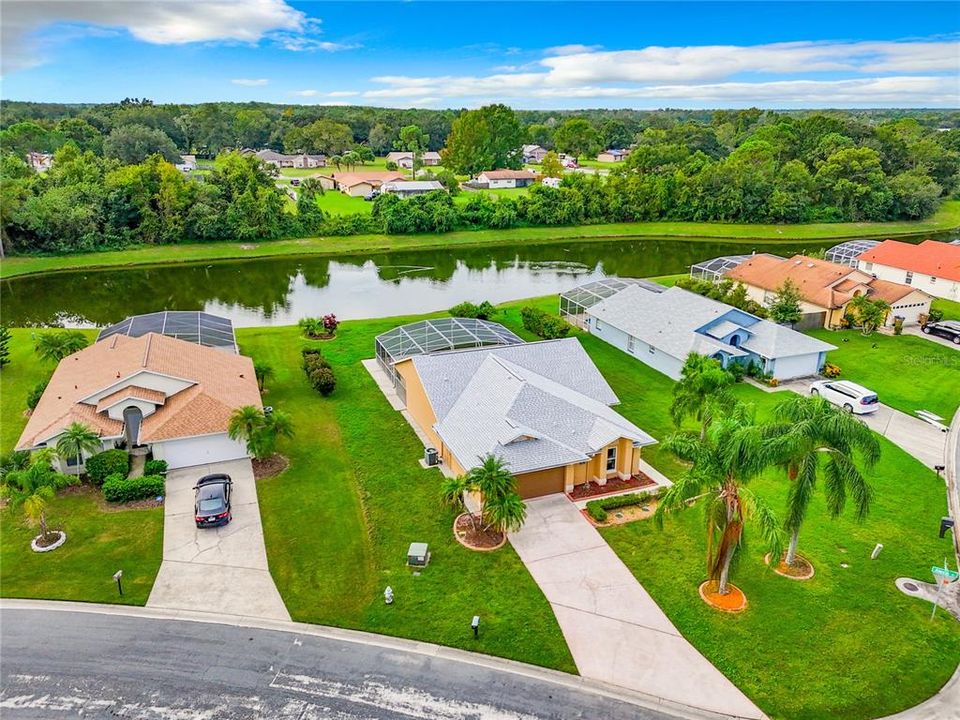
(810, 265)
(798, 262)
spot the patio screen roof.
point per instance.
(189, 325)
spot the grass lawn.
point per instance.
(845, 645)
(99, 543)
(338, 522)
(948, 217)
(338, 203)
(950, 308)
(908, 373)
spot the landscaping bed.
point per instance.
(470, 534)
(592, 489)
(270, 466)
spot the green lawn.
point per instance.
(950, 308)
(338, 522)
(908, 373)
(948, 217)
(338, 203)
(845, 645)
(99, 543)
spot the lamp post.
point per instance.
(475, 624)
(117, 576)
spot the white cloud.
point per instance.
(574, 49)
(711, 75)
(343, 93)
(335, 94)
(250, 82)
(32, 29)
(306, 93)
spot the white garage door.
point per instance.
(198, 451)
(795, 366)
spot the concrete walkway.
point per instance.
(615, 631)
(945, 705)
(221, 570)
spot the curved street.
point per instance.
(68, 664)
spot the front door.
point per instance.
(132, 419)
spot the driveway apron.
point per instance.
(615, 631)
(220, 570)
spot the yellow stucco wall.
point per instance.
(417, 403)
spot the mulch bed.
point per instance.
(324, 336)
(476, 538)
(591, 489)
(52, 537)
(733, 602)
(268, 467)
(103, 506)
(802, 569)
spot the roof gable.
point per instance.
(931, 257)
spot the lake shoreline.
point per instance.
(945, 220)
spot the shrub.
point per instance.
(391, 165)
(330, 323)
(323, 381)
(597, 509)
(107, 463)
(554, 327)
(831, 371)
(532, 319)
(738, 370)
(118, 488)
(935, 315)
(33, 397)
(312, 327)
(155, 467)
(313, 360)
(544, 325)
(483, 311)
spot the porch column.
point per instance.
(568, 479)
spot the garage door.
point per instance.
(543, 482)
(198, 451)
(787, 368)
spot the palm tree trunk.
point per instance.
(79, 459)
(43, 525)
(725, 572)
(792, 550)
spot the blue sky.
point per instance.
(447, 54)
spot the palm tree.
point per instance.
(452, 490)
(276, 425)
(501, 506)
(56, 345)
(350, 159)
(702, 391)
(815, 437)
(76, 440)
(336, 160)
(263, 371)
(33, 487)
(724, 458)
(244, 424)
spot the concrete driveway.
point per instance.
(921, 439)
(220, 570)
(615, 631)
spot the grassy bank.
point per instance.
(947, 218)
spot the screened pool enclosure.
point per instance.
(573, 303)
(189, 325)
(436, 335)
(846, 253)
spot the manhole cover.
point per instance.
(910, 587)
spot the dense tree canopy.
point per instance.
(484, 139)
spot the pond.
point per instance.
(280, 291)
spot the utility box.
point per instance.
(418, 555)
(431, 457)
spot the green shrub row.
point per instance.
(318, 371)
(155, 467)
(118, 488)
(483, 311)
(597, 509)
(33, 397)
(543, 324)
(107, 463)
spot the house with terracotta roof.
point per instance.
(501, 179)
(931, 266)
(826, 288)
(360, 183)
(159, 394)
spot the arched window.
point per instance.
(132, 420)
(735, 340)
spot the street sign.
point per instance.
(944, 573)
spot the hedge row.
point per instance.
(318, 371)
(107, 463)
(597, 509)
(155, 467)
(543, 324)
(118, 488)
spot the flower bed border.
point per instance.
(53, 546)
(503, 540)
(778, 571)
(714, 606)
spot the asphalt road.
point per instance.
(80, 665)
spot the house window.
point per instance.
(71, 461)
(768, 297)
(651, 349)
(868, 266)
(596, 325)
(631, 344)
(909, 279)
(933, 279)
(612, 458)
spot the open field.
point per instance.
(950, 308)
(947, 218)
(907, 372)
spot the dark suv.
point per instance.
(211, 506)
(949, 329)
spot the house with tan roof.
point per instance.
(160, 394)
(501, 179)
(404, 159)
(931, 266)
(826, 288)
(360, 183)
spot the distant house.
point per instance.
(568, 161)
(410, 188)
(187, 163)
(551, 182)
(281, 160)
(533, 154)
(826, 288)
(661, 327)
(405, 159)
(501, 179)
(612, 155)
(931, 266)
(359, 184)
(309, 161)
(40, 162)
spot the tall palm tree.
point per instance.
(56, 345)
(501, 507)
(336, 160)
(244, 424)
(702, 391)
(276, 425)
(812, 438)
(724, 458)
(263, 372)
(76, 440)
(350, 159)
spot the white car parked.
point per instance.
(850, 396)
